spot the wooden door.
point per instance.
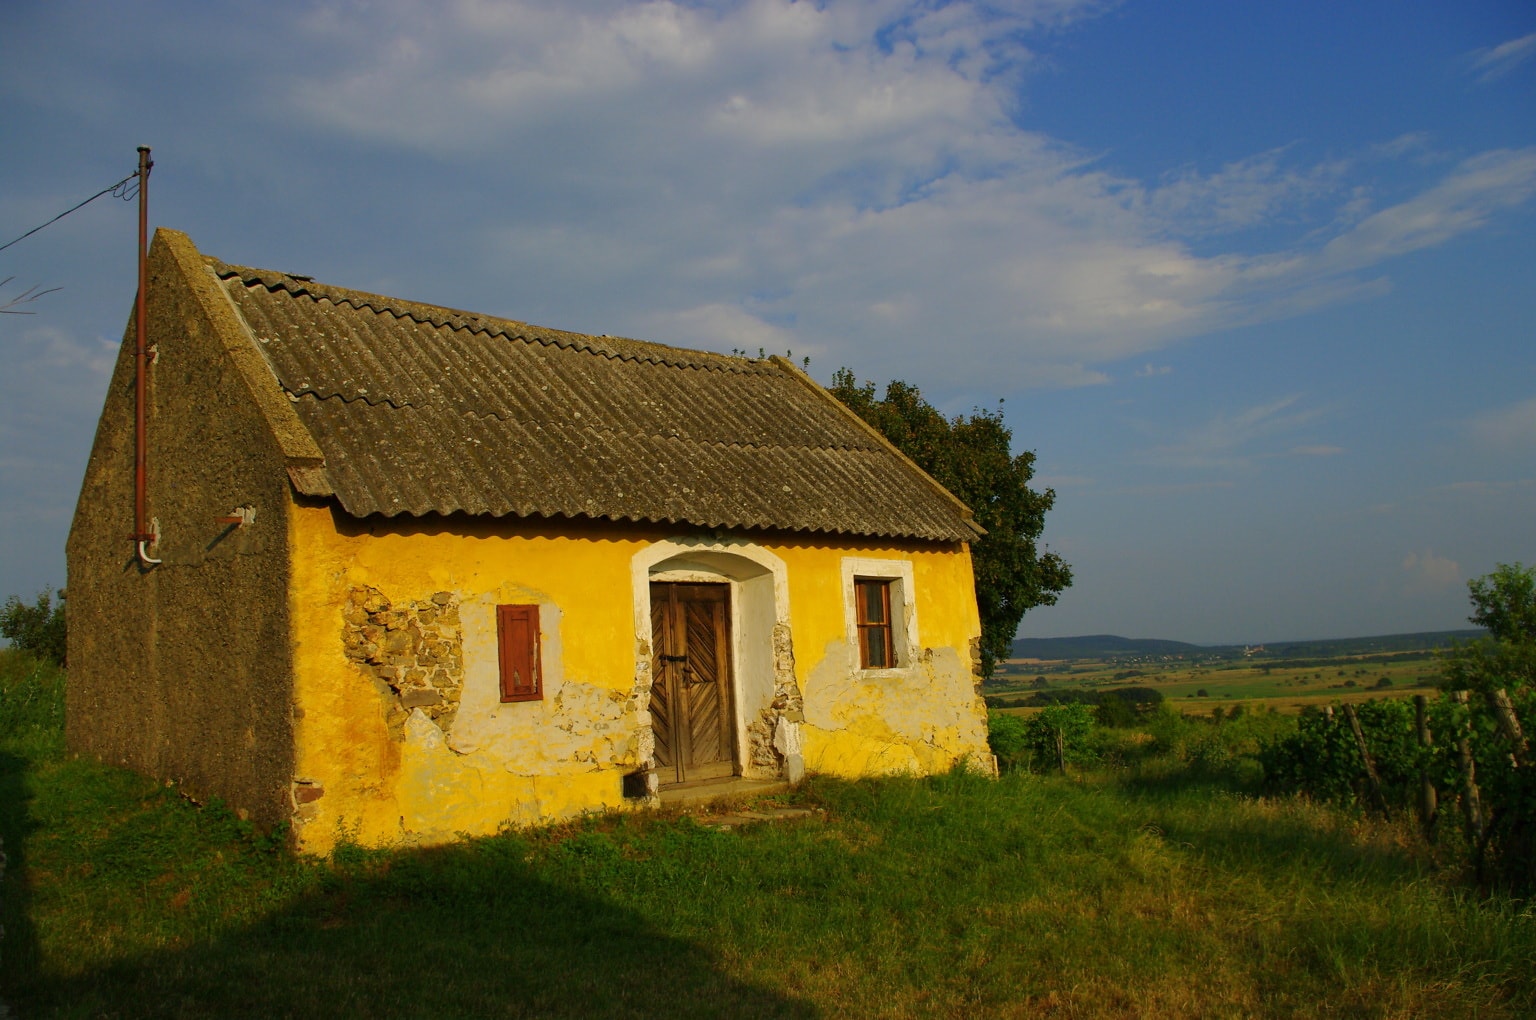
(691, 711)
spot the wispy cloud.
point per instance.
(1230, 440)
(1464, 201)
(1426, 572)
(1496, 61)
(1512, 427)
(1150, 370)
(1244, 193)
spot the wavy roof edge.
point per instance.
(620, 347)
(937, 516)
(658, 521)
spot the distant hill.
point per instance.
(1110, 646)
(1421, 641)
(1098, 646)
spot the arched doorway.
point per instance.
(716, 662)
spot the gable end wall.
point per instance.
(183, 671)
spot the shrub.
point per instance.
(1114, 711)
(1058, 735)
(36, 628)
(1009, 741)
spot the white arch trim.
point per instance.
(713, 556)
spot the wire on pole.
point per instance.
(126, 189)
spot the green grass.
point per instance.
(1144, 891)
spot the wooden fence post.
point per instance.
(1509, 725)
(1370, 764)
(1471, 803)
(1429, 798)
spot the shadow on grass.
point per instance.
(1270, 843)
(18, 941)
(453, 931)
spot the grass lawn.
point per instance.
(1121, 893)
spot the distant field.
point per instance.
(1280, 686)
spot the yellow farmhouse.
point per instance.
(417, 573)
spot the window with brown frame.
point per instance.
(872, 612)
(517, 646)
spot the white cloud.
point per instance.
(1497, 61)
(1150, 370)
(1513, 426)
(726, 327)
(856, 170)
(857, 179)
(1428, 572)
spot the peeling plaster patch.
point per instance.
(579, 727)
(415, 649)
(922, 718)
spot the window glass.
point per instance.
(872, 605)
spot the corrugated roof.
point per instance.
(420, 409)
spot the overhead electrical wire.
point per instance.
(125, 189)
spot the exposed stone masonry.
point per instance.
(766, 734)
(416, 649)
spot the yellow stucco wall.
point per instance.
(384, 774)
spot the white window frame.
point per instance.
(903, 610)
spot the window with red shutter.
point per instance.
(517, 644)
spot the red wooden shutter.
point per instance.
(517, 644)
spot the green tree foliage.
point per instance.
(37, 628)
(1504, 603)
(1115, 712)
(1055, 736)
(1009, 740)
(972, 458)
(1059, 735)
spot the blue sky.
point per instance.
(1256, 282)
